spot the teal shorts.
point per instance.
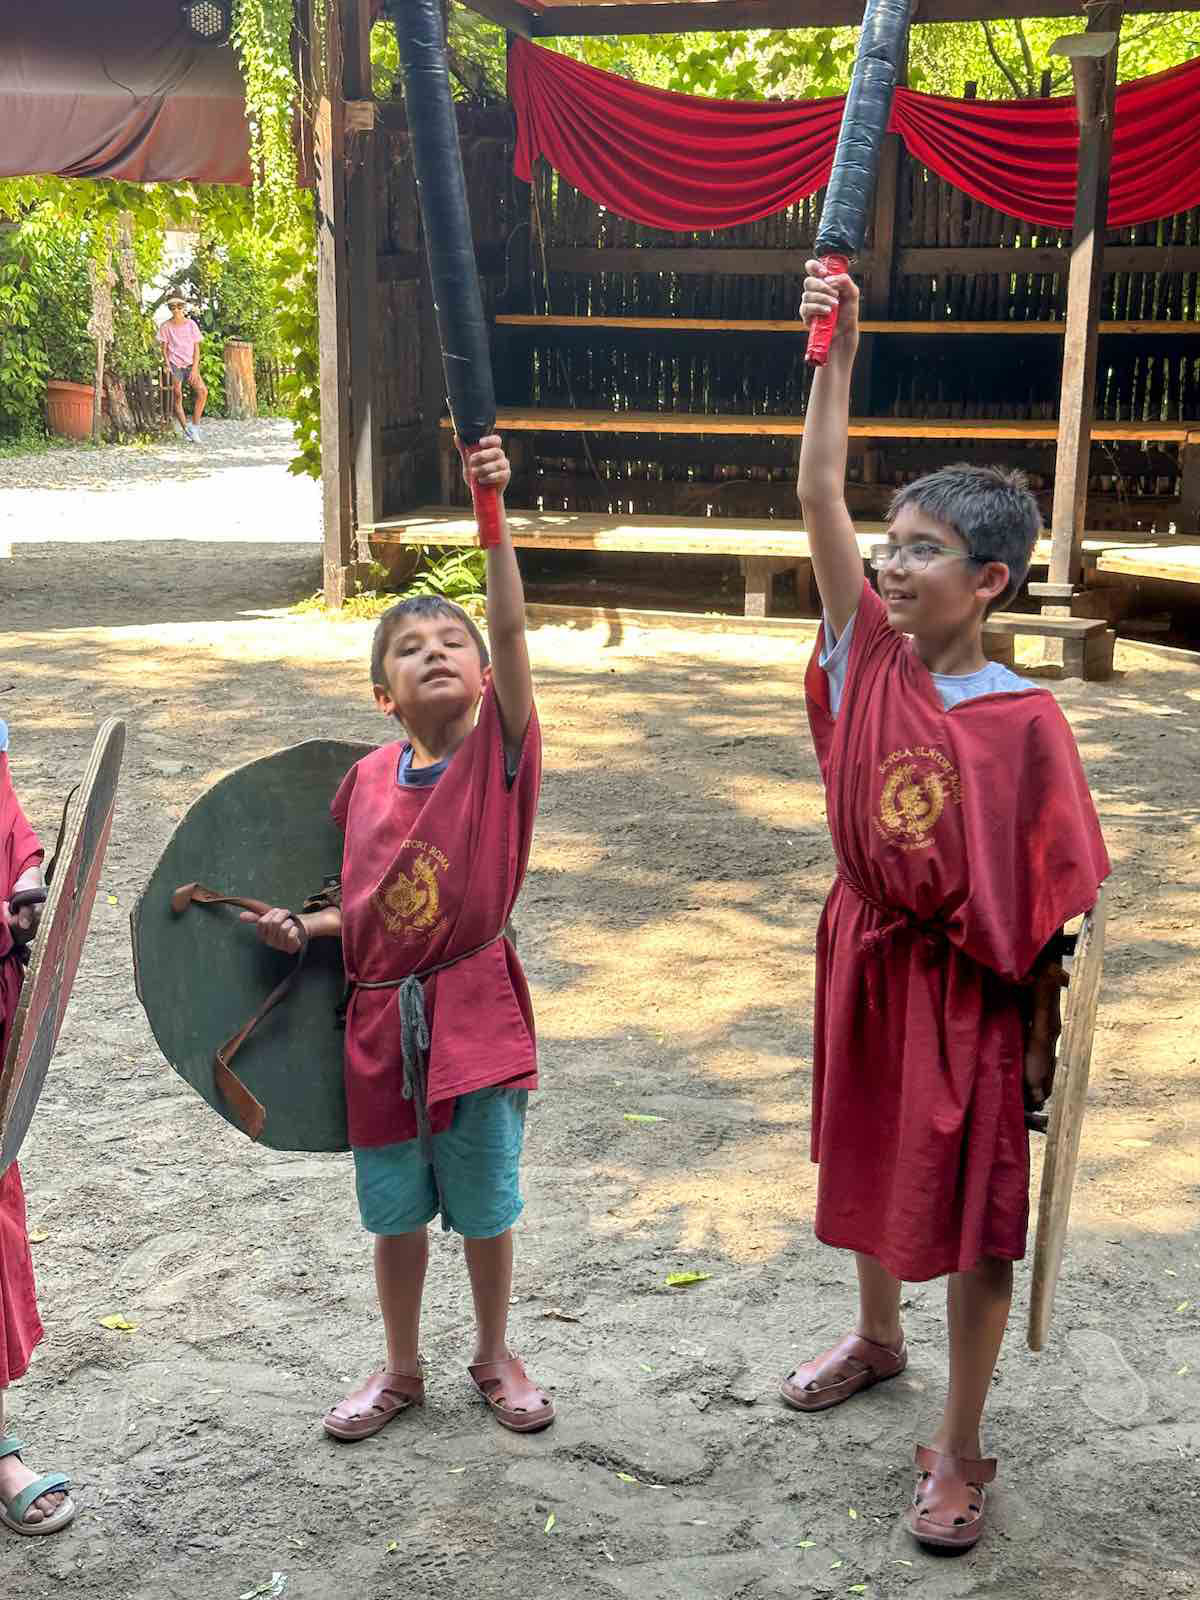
(474, 1180)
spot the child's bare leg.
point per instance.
(15, 1476)
(878, 1303)
(516, 1400)
(400, 1263)
(177, 402)
(977, 1303)
(199, 396)
(490, 1265)
(871, 1354)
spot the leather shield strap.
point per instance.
(248, 1112)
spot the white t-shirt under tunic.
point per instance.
(952, 687)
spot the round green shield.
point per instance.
(264, 832)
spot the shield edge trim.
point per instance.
(1068, 1106)
(110, 731)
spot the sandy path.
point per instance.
(668, 930)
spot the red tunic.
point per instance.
(964, 839)
(20, 1325)
(429, 875)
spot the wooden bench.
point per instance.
(1087, 642)
(763, 548)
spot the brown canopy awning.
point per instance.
(117, 89)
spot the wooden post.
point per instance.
(1093, 58)
(1189, 486)
(241, 391)
(333, 295)
(361, 227)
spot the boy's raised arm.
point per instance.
(505, 606)
(821, 484)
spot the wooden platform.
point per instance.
(533, 419)
(633, 535)
(764, 548)
(1172, 562)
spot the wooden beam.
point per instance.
(536, 419)
(333, 312)
(361, 229)
(931, 262)
(913, 263)
(534, 322)
(687, 16)
(509, 14)
(1095, 89)
(701, 262)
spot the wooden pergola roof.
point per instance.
(545, 19)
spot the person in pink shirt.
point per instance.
(180, 339)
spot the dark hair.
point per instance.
(421, 605)
(990, 508)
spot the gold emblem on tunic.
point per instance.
(911, 802)
(410, 903)
(918, 784)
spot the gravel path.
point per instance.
(232, 487)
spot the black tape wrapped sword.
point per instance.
(877, 67)
(442, 190)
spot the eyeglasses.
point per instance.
(914, 557)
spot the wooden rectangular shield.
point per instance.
(1067, 1106)
(263, 833)
(59, 944)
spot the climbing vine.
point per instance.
(262, 36)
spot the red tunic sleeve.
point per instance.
(1035, 852)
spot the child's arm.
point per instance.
(821, 483)
(278, 929)
(1042, 1030)
(23, 924)
(505, 606)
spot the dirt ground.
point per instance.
(667, 927)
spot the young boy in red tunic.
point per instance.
(440, 1051)
(965, 838)
(28, 1503)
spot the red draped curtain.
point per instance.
(687, 163)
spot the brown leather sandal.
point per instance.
(380, 1401)
(950, 1500)
(516, 1401)
(855, 1364)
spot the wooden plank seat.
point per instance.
(867, 325)
(763, 548)
(1087, 642)
(533, 419)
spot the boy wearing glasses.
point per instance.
(965, 838)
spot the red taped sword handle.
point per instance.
(485, 497)
(821, 332)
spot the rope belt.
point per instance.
(414, 1032)
(896, 919)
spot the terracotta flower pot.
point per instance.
(69, 408)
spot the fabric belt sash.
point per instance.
(414, 1031)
